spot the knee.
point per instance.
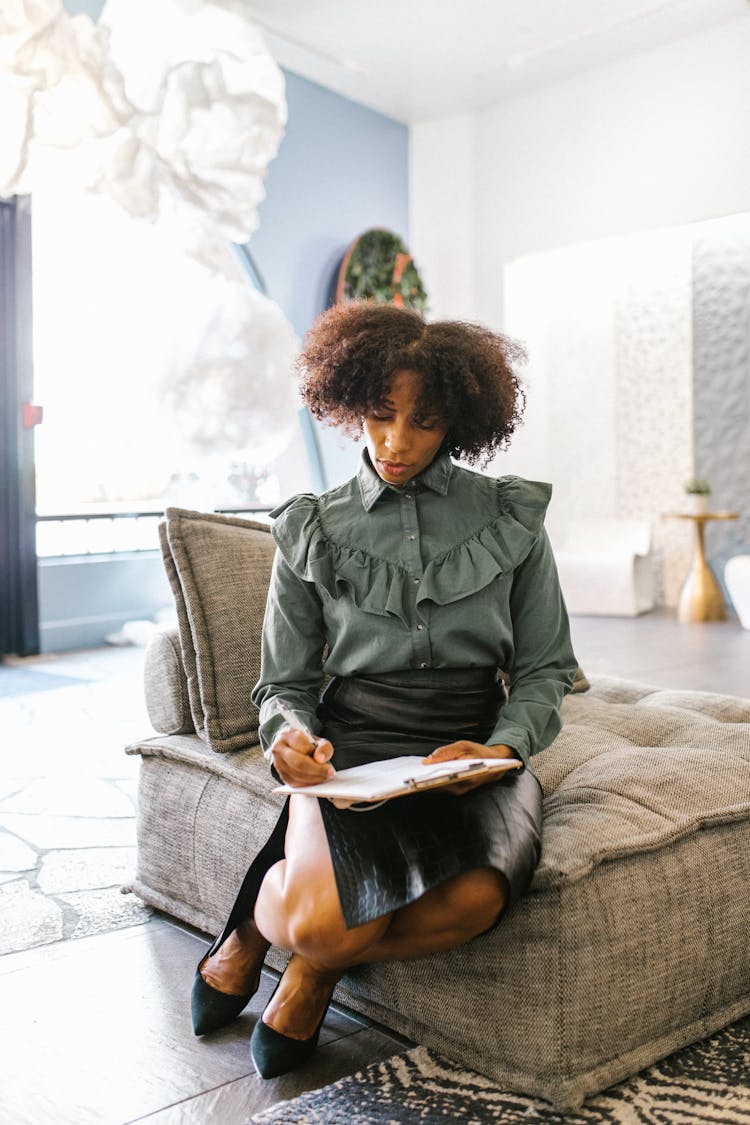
(315, 928)
(299, 914)
(478, 899)
(321, 936)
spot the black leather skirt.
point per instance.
(389, 856)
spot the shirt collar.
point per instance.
(436, 477)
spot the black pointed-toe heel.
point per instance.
(274, 1054)
(209, 1008)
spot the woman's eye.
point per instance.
(426, 423)
(378, 417)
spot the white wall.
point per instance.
(653, 142)
(441, 213)
(608, 327)
(656, 140)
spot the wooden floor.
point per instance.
(658, 649)
(97, 1029)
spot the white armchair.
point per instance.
(606, 567)
(737, 578)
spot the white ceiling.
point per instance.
(416, 59)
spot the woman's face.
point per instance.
(400, 443)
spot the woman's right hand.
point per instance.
(300, 760)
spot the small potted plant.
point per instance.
(698, 491)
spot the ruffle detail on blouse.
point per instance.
(382, 588)
(495, 549)
(376, 585)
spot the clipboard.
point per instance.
(385, 780)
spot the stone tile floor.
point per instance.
(67, 795)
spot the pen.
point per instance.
(294, 722)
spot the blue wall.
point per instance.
(91, 8)
(341, 169)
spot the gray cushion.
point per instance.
(219, 568)
(187, 649)
(633, 938)
(165, 684)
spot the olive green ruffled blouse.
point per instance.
(453, 570)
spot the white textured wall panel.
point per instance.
(653, 328)
(608, 328)
(721, 378)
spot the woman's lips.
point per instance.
(393, 467)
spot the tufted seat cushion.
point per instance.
(645, 767)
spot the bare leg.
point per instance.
(283, 914)
(299, 1003)
(298, 904)
(234, 967)
(447, 916)
(298, 908)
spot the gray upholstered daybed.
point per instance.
(635, 937)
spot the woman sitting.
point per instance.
(410, 586)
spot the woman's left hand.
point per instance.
(465, 749)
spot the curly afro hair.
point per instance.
(352, 352)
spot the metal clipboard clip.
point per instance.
(415, 783)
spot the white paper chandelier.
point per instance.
(173, 108)
(162, 104)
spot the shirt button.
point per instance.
(416, 581)
(420, 628)
(422, 665)
(412, 537)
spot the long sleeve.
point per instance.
(543, 665)
(291, 654)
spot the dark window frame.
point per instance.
(19, 606)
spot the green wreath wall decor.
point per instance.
(378, 267)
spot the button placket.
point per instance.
(410, 528)
(413, 554)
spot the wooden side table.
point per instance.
(701, 598)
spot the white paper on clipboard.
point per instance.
(399, 777)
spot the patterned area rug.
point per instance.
(705, 1084)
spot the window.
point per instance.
(153, 390)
